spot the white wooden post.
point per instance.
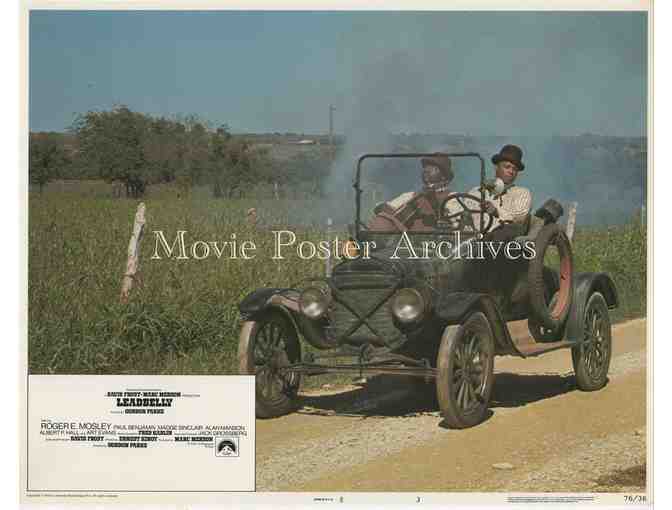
(133, 262)
(571, 219)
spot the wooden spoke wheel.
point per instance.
(266, 346)
(591, 358)
(465, 371)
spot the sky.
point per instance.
(477, 73)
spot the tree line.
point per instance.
(138, 150)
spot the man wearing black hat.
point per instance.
(508, 203)
(512, 205)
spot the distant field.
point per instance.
(182, 317)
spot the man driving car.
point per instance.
(508, 205)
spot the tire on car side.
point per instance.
(465, 365)
(265, 345)
(552, 318)
(592, 357)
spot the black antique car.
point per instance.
(441, 318)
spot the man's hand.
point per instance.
(379, 207)
(491, 209)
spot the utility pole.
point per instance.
(332, 108)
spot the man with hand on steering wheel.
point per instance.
(507, 205)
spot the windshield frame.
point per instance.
(415, 155)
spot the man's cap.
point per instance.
(442, 162)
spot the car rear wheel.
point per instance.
(591, 358)
(465, 372)
(266, 345)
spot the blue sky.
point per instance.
(515, 73)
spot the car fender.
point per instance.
(584, 286)
(453, 308)
(286, 300)
(259, 300)
(267, 298)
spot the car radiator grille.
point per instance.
(362, 293)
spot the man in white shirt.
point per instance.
(510, 206)
(513, 204)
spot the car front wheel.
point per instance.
(266, 346)
(465, 371)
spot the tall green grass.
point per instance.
(182, 316)
(621, 252)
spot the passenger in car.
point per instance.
(417, 211)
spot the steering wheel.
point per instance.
(460, 199)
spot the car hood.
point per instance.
(382, 261)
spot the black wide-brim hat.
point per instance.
(442, 162)
(512, 154)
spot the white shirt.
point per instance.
(513, 205)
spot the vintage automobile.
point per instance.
(440, 319)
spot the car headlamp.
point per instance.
(314, 302)
(408, 305)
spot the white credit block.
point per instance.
(123, 433)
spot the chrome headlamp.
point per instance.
(314, 302)
(408, 305)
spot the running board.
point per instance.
(362, 369)
(530, 349)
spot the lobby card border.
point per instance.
(470, 5)
(347, 5)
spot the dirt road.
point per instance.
(543, 434)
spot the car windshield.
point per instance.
(393, 198)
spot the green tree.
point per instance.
(112, 143)
(163, 145)
(234, 164)
(46, 161)
(219, 160)
(196, 147)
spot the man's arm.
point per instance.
(384, 217)
(516, 206)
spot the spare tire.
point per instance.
(539, 332)
(551, 315)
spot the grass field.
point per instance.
(182, 317)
